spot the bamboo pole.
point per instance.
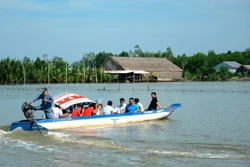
(24, 76)
(96, 79)
(66, 88)
(48, 75)
(133, 81)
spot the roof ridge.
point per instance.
(113, 58)
(145, 63)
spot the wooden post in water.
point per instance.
(48, 75)
(101, 74)
(66, 88)
(78, 73)
(84, 73)
(103, 84)
(148, 87)
(24, 76)
(133, 81)
(96, 79)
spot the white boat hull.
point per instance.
(65, 123)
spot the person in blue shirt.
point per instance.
(131, 107)
(47, 101)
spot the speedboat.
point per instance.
(68, 100)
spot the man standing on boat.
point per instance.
(47, 101)
(154, 102)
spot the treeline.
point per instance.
(199, 66)
(54, 70)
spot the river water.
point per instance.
(212, 128)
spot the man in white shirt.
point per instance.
(121, 107)
(56, 112)
(108, 109)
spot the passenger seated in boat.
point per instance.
(154, 102)
(56, 112)
(90, 110)
(64, 111)
(108, 109)
(69, 111)
(140, 106)
(131, 107)
(121, 107)
(99, 108)
(77, 112)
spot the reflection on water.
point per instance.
(211, 128)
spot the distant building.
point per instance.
(244, 69)
(133, 69)
(231, 65)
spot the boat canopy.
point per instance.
(70, 99)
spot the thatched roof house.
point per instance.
(161, 68)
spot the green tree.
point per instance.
(149, 54)
(39, 71)
(123, 54)
(225, 73)
(101, 57)
(138, 51)
(89, 60)
(213, 58)
(11, 70)
(58, 69)
(183, 61)
(28, 70)
(169, 54)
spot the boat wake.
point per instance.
(5, 128)
(207, 151)
(2, 132)
(59, 141)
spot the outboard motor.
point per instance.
(27, 109)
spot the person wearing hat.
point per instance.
(47, 100)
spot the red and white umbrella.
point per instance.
(68, 99)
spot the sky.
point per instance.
(71, 28)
